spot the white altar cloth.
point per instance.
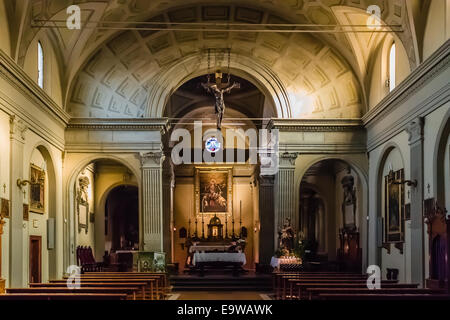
(219, 257)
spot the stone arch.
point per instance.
(439, 159)
(356, 164)
(261, 76)
(387, 149)
(100, 208)
(44, 149)
(70, 234)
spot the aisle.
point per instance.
(218, 295)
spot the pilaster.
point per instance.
(152, 201)
(17, 139)
(416, 147)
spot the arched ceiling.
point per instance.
(248, 100)
(108, 73)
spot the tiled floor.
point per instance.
(218, 295)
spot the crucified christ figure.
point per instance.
(218, 93)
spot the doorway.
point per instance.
(35, 259)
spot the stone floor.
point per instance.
(218, 295)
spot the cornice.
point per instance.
(316, 125)
(140, 124)
(17, 77)
(436, 63)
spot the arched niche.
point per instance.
(41, 159)
(391, 255)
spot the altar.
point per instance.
(227, 257)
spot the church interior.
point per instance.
(195, 150)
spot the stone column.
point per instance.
(168, 184)
(285, 192)
(17, 136)
(415, 131)
(152, 218)
(266, 218)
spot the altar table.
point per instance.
(236, 257)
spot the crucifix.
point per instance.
(24, 193)
(218, 89)
(4, 188)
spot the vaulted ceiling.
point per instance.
(113, 73)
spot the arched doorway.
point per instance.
(122, 219)
(331, 210)
(89, 189)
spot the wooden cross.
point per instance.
(409, 192)
(24, 193)
(4, 188)
(428, 187)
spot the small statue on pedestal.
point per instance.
(286, 237)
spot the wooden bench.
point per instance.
(302, 288)
(314, 293)
(61, 296)
(279, 279)
(139, 293)
(408, 297)
(129, 291)
(161, 287)
(150, 285)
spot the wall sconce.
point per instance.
(392, 180)
(40, 180)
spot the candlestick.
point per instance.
(232, 223)
(189, 221)
(203, 226)
(226, 225)
(240, 219)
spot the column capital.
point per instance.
(287, 159)
(17, 128)
(152, 158)
(415, 130)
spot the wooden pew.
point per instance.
(163, 283)
(150, 284)
(130, 292)
(160, 285)
(313, 293)
(288, 283)
(291, 283)
(279, 279)
(61, 296)
(408, 297)
(139, 292)
(163, 275)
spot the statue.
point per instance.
(218, 89)
(349, 202)
(286, 236)
(83, 183)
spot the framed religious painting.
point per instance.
(394, 208)
(37, 190)
(213, 190)
(4, 208)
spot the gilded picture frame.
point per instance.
(37, 190)
(394, 209)
(213, 190)
(5, 208)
